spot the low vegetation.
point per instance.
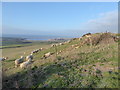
(90, 65)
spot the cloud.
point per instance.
(106, 22)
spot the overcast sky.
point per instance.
(63, 19)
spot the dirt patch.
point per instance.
(104, 38)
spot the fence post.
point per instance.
(56, 51)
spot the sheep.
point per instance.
(29, 57)
(47, 55)
(68, 41)
(4, 58)
(30, 60)
(61, 44)
(77, 47)
(24, 64)
(56, 44)
(65, 42)
(60, 51)
(35, 51)
(72, 45)
(52, 45)
(18, 61)
(40, 49)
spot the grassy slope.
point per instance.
(76, 68)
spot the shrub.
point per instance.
(59, 58)
(34, 67)
(110, 72)
(98, 71)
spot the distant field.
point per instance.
(19, 51)
(8, 42)
(11, 41)
(16, 47)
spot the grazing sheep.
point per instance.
(35, 51)
(30, 60)
(61, 44)
(25, 64)
(65, 42)
(72, 45)
(47, 55)
(29, 57)
(18, 61)
(56, 44)
(77, 47)
(60, 51)
(4, 58)
(40, 49)
(52, 45)
(68, 41)
(57, 53)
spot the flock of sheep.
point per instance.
(24, 62)
(29, 58)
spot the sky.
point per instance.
(59, 18)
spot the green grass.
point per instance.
(85, 67)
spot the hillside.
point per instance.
(85, 62)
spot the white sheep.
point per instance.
(18, 61)
(4, 58)
(60, 43)
(30, 60)
(47, 54)
(41, 48)
(24, 64)
(77, 47)
(52, 45)
(29, 57)
(35, 51)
